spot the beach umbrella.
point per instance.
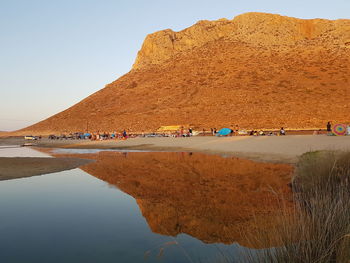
(339, 129)
(224, 131)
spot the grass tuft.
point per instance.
(317, 228)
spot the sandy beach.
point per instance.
(283, 149)
(275, 149)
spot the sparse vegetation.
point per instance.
(317, 228)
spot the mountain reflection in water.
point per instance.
(214, 199)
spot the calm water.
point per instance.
(107, 213)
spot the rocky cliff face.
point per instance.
(257, 29)
(257, 71)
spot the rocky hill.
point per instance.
(257, 70)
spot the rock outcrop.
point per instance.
(257, 29)
(257, 71)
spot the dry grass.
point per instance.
(317, 228)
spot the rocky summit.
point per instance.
(256, 71)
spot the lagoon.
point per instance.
(113, 210)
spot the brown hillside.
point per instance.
(257, 71)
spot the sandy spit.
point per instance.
(285, 149)
(20, 167)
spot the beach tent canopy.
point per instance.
(339, 129)
(170, 128)
(224, 131)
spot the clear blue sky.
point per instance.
(55, 53)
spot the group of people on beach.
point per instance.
(236, 132)
(99, 136)
(182, 132)
(270, 133)
(107, 136)
(214, 131)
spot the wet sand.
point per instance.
(20, 167)
(285, 149)
(12, 141)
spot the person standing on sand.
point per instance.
(282, 131)
(329, 126)
(237, 129)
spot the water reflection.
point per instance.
(214, 199)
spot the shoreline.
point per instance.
(282, 149)
(22, 167)
(274, 149)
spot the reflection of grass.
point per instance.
(160, 249)
(318, 228)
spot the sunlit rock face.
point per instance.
(257, 29)
(257, 70)
(209, 197)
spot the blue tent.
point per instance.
(224, 132)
